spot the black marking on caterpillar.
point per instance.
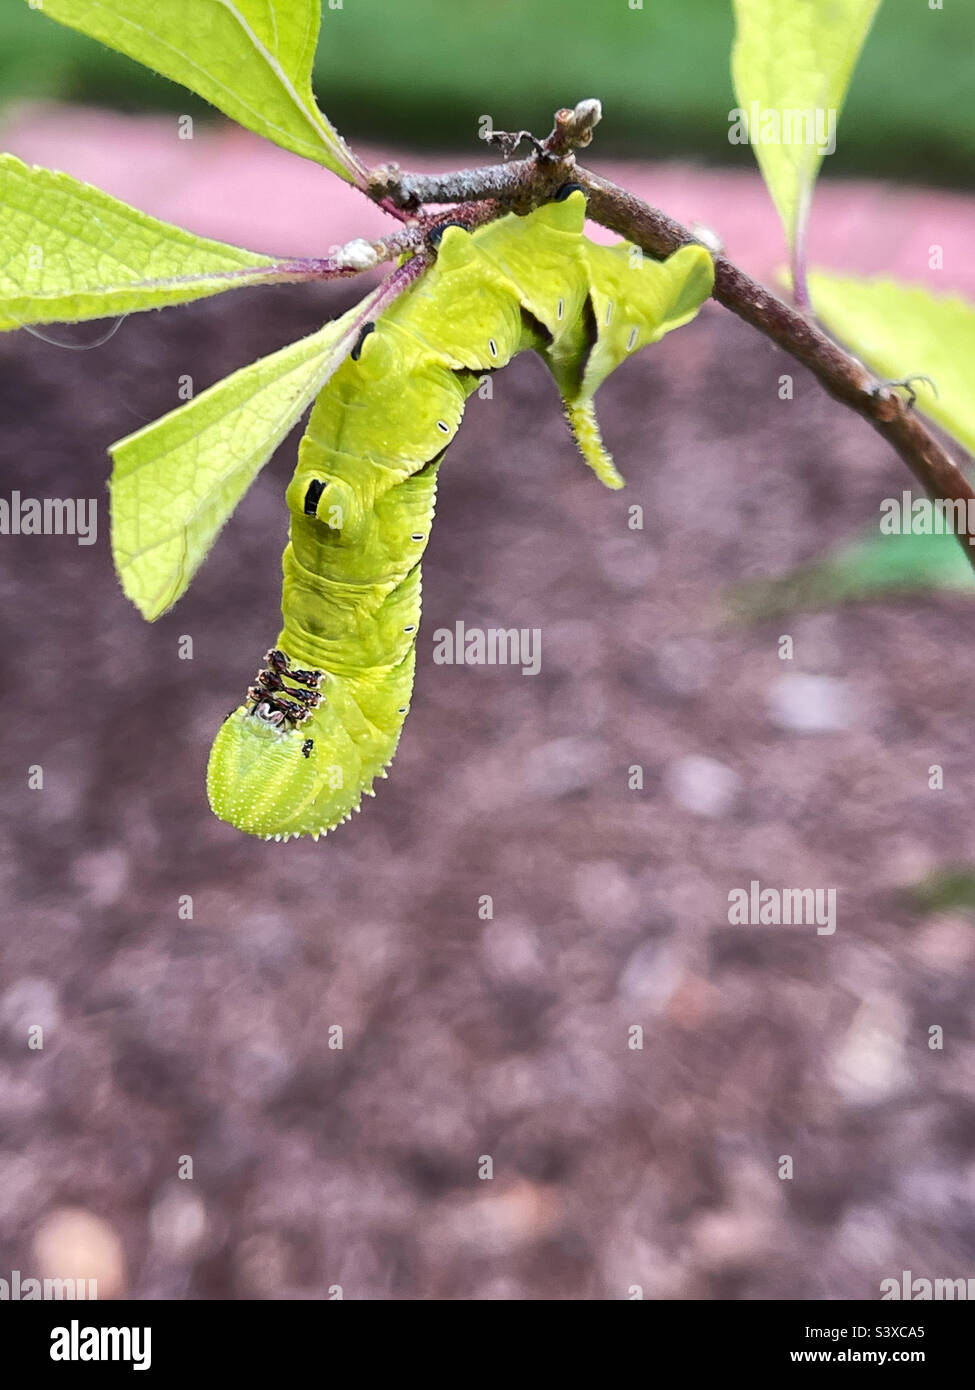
(306, 747)
(275, 701)
(435, 234)
(567, 189)
(315, 490)
(364, 332)
(280, 663)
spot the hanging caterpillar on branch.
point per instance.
(322, 720)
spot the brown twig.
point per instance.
(522, 184)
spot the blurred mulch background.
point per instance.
(463, 1037)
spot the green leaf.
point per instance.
(250, 58)
(944, 890)
(177, 481)
(897, 330)
(901, 329)
(876, 566)
(70, 252)
(795, 56)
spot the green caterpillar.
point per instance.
(324, 716)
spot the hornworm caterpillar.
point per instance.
(324, 716)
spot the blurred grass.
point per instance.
(944, 890)
(875, 566)
(422, 73)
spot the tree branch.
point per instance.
(521, 179)
(520, 185)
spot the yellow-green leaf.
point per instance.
(69, 252)
(901, 330)
(252, 59)
(177, 481)
(795, 56)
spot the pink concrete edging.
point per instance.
(230, 184)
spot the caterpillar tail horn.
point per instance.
(581, 416)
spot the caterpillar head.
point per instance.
(262, 776)
(287, 763)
